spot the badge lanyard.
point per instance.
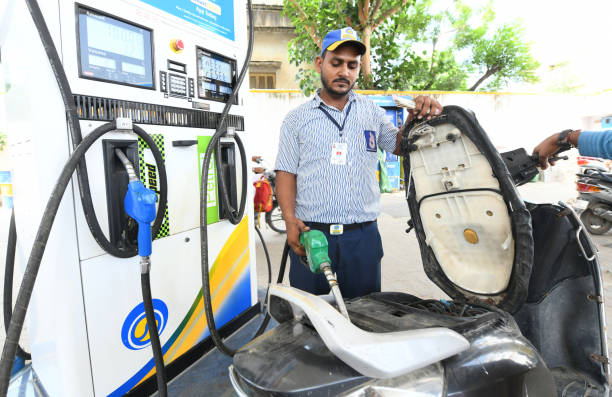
(340, 127)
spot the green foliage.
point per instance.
(2, 141)
(413, 47)
(504, 57)
(308, 80)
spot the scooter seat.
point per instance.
(473, 229)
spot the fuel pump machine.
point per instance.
(170, 67)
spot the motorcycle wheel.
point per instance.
(274, 219)
(593, 223)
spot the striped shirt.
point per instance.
(332, 193)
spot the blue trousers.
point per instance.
(355, 258)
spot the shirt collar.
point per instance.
(317, 101)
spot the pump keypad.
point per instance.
(178, 85)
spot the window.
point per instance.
(262, 80)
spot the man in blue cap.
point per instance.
(326, 170)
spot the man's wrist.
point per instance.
(573, 136)
(567, 139)
(289, 218)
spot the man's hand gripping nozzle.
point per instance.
(315, 245)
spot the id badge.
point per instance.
(336, 229)
(338, 153)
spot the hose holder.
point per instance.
(124, 123)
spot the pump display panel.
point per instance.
(113, 50)
(216, 75)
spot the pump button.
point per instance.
(177, 45)
(191, 88)
(163, 81)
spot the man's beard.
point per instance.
(333, 91)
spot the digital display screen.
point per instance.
(113, 50)
(216, 75)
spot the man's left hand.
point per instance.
(425, 107)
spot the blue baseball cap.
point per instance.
(340, 36)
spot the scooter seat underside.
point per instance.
(464, 215)
(473, 229)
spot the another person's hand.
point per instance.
(258, 170)
(546, 149)
(295, 227)
(425, 106)
(550, 146)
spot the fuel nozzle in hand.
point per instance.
(315, 245)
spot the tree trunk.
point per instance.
(366, 67)
(489, 73)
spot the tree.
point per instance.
(2, 141)
(411, 47)
(504, 57)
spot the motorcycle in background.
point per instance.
(274, 217)
(595, 196)
(592, 163)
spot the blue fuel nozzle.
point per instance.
(140, 204)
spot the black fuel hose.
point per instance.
(158, 354)
(75, 134)
(9, 269)
(234, 216)
(265, 248)
(266, 319)
(281, 275)
(40, 243)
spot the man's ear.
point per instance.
(319, 63)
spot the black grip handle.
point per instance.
(185, 143)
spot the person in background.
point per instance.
(326, 170)
(589, 143)
(257, 168)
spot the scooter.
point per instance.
(595, 195)
(593, 163)
(525, 315)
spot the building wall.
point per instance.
(273, 31)
(272, 46)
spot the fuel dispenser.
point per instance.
(170, 67)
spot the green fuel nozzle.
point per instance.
(316, 247)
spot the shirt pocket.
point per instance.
(315, 145)
(363, 146)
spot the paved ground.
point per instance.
(401, 267)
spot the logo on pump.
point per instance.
(135, 330)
